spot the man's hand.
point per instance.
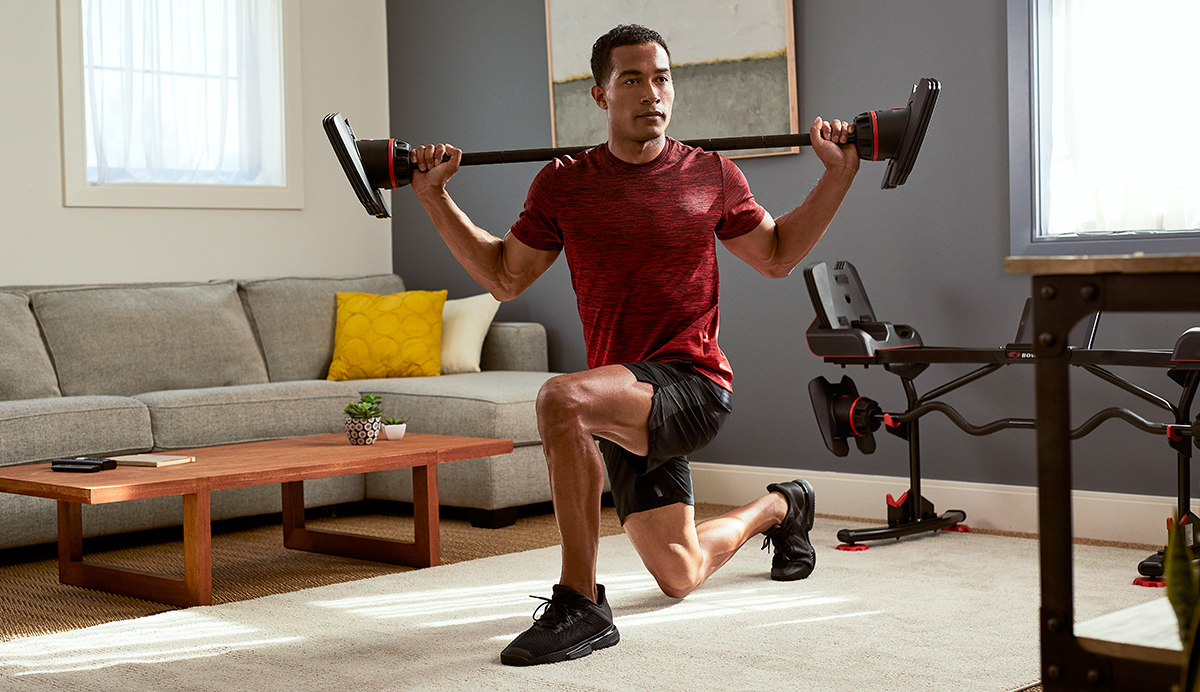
(829, 141)
(431, 171)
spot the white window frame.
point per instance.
(79, 192)
(1025, 98)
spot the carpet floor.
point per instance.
(950, 611)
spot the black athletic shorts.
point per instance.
(687, 412)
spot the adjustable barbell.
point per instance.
(893, 135)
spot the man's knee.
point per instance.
(666, 541)
(676, 578)
(559, 402)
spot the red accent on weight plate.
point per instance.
(874, 137)
(852, 428)
(392, 161)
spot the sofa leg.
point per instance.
(492, 518)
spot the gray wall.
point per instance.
(931, 253)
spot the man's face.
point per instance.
(638, 94)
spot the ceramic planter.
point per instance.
(363, 431)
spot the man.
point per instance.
(637, 218)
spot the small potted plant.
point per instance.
(363, 420)
(393, 428)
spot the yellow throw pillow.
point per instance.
(398, 335)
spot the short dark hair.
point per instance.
(623, 35)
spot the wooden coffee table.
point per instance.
(286, 462)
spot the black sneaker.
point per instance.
(794, 557)
(569, 627)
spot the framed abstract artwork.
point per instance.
(732, 63)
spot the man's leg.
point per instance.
(606, 402)
(682, 554)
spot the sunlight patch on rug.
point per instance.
(434, 602)
(172, 636)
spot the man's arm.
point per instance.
(778, 245)
(504, 267)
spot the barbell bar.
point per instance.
(893, 135)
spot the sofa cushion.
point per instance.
(294, 320)
(496, 404)
(183, 419)
(515, 346)
(25, 368)
(38, 429)
(129, 340)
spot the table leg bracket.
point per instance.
(424, 551)
(194, 589)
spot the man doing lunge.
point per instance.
(638, 218)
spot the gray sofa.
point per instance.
(105, 370)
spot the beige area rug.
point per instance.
(951, 611)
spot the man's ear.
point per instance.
(598, 97)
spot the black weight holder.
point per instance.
(846, 331)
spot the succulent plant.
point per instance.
(366, 407)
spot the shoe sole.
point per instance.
(605, 639)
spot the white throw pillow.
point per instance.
(465, 323)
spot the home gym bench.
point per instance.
(847, 332)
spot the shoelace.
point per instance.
(550, 614)
(768, 535)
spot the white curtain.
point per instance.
(1125, 99)
(184, 91)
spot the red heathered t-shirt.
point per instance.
(639, 241)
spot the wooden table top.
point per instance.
(1137, 263)
(246, 464)
(1148, 632)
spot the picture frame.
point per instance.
(732, 63)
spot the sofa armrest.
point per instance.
(515, 346)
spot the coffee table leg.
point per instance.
(194, 589)
(425, 551)
(197, 547)
(425, 515)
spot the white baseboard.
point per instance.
(1101, 516)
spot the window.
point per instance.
(1099, 92)
(181, 103)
